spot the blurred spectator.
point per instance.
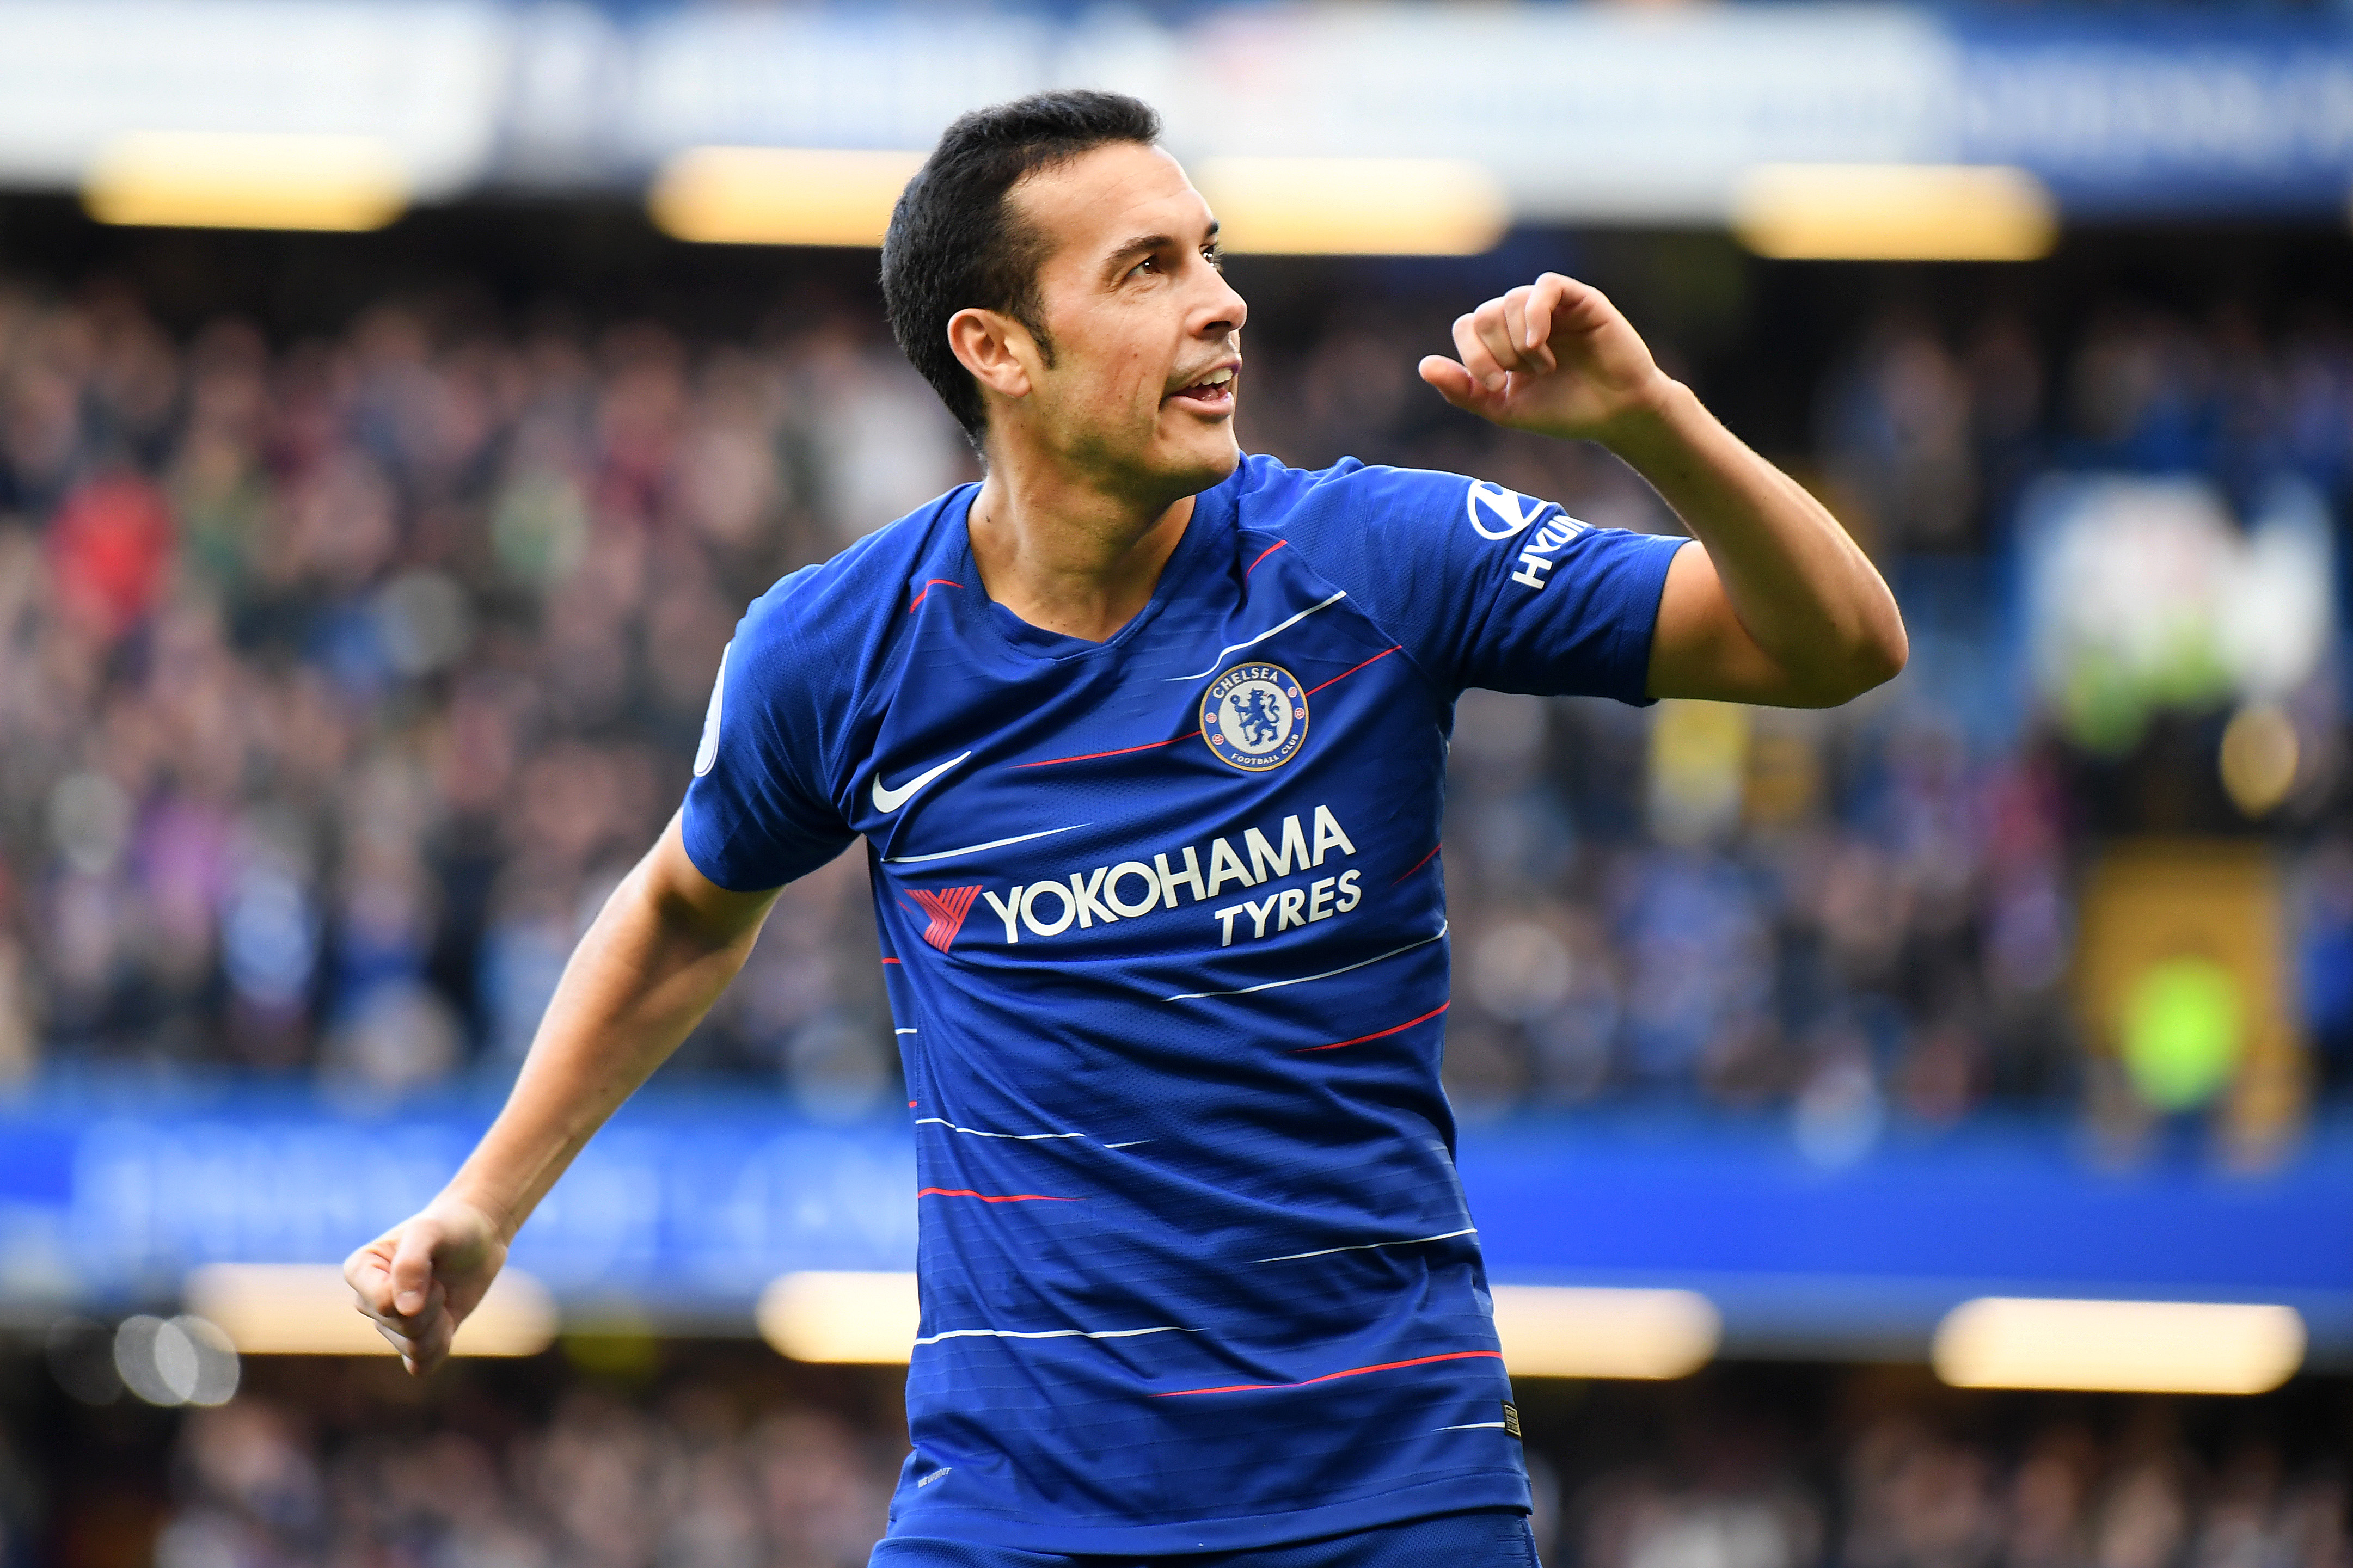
(2326, 958)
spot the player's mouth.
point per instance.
(1213, 391)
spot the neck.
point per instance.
(1070, 557)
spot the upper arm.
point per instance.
(692, 903)
(1700, 650)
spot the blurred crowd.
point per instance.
(601, 1483)
(341, 677)
(739, 1460)
(339, 682)
(1904, 1481)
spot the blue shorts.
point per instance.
(1488, 1539)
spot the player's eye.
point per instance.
(1149, 264)
(1215, 255)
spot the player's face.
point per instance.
(1145, 329)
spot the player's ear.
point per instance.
(995, 348)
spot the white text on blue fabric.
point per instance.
(1536, 555)
(1134, 888)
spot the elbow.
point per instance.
(1884, 654)
(1870, 657)
(1874, 659)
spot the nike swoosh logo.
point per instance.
(887, 801)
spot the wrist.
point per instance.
(499, 1219)
(1651, 415)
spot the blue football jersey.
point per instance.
(1165, 938)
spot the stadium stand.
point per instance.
(345, 672)
(706, 1455)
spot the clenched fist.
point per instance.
(1555, 357)
(419, 1280)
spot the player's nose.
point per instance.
(1224, 311)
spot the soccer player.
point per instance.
(1147, 739)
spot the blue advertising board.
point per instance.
(2162, 113)
(687, 1205)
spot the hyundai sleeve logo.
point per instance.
(1506, 513)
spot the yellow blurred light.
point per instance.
(1546, 1331)
(1894, 212)
(2137, 1347)
(1354, 206)
(841, 1317)
(2259, 758)
(306, 1308)
(237, 180)
(780, 195)
(1562, 1332)
(1699, 762)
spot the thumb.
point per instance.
(412, 1266)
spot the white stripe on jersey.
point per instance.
(1048, 1334)
(977, 848)
(1286, 626)
(976, 1133)
(1301, 980)
(1369, 1246)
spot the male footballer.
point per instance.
(1147, 739)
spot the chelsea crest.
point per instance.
(1254, 717)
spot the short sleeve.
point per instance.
(1488, 587)
(758, 813)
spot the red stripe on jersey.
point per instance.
(1263, 554)
(1377, 1034)
(984, 1197)
(1417, 865)
(929, 584)
(1190, 734)
(1353, 668)
(1119, 751)
(1352, 1372)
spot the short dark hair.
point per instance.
(954, 242)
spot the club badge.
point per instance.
(1255, 716)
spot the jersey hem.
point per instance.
(1461, 1491)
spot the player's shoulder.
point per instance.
(1354, 508)
(1268, 489)
(835, 615)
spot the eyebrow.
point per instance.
(1144, 243)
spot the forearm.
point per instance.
(1803, 592)
(646, 973)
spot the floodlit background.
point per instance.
(1916, 1136)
